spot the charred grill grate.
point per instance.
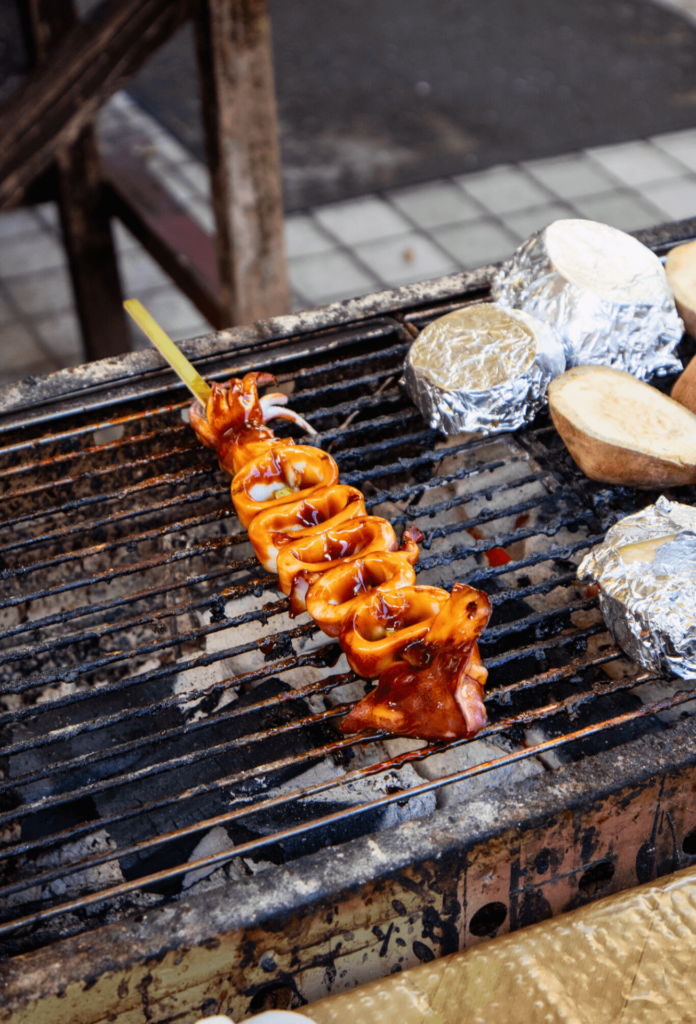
(162, 717)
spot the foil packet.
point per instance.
(482, 369)
(605, 293)
(646, 571)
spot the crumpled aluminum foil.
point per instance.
(650, 607)
(482, 368)
(606, 294)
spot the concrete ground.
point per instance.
(381, 95)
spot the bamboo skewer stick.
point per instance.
(174, 356)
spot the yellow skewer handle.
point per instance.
(164, 344)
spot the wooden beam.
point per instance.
(56, 102)
(83, 211)
(90, 248)
(235, 64)
(163, 227)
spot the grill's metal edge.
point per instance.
(182, 952)
(35, 391)
(38, 390)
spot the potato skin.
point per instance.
(684, 390)
(612, 464)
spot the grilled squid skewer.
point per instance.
(332, 597)
(344, 567)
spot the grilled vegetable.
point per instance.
(621, 431)
(680, 267)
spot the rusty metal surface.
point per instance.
(97, 683)
(380, 903)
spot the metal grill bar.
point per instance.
(246, 848)
(190, 728)
(141, 710)
(501, 695)
(252, 808)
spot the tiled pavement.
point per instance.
(343, 249)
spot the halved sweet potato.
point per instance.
(621, 431)
(680, 268)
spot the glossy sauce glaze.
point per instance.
(346, 569)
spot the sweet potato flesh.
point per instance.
(620, 430)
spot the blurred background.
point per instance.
(418, 137)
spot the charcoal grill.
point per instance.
(184, 829)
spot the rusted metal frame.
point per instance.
(129, 570)
(294, 797)
(253, 846)
(235, 71)
(57, 101)
(163, 227)
(83, 212)
(194, 791)
(435, 870)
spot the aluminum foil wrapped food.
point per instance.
(606, 294)
(482, 368)
(646, 571)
